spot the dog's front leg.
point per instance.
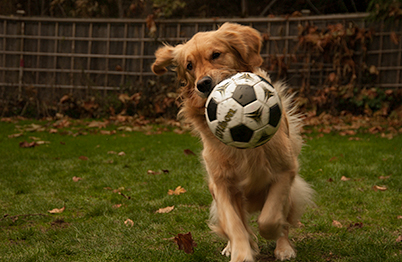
(272, 221)
(228, 209)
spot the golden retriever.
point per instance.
(242, 181)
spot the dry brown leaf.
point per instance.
(380, 188)
(64, 98)
(107, 132)
(399, 239)
(129, 222)
(98, 124)
(185, 242)
(121, 153)
(179, 190)
(333, 158)
(53, 131)
(344, 178)
(26, 144)
(57, 210)
(165, 210)
(42, 142)
(76, 178)
(188, 152)
(117, 205)
(384, 177)
(15, 135)
(355, 225)
(399, 217)
(336, 224)
(83, 158)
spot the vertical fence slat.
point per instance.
(90, 31)
(73, 34)
(124, 53)
(38, 50)
(21, 69)
(107, 57)
(56, 33)
(4, 52)
(143, 35)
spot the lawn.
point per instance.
(105, 187)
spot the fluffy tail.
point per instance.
(301, 196)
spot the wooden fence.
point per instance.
(111, 54)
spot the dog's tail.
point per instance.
(301, 196)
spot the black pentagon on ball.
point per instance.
(244, 95)
(241, 133)
(211, 110)
(275, 114)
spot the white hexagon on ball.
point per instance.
(244, 111)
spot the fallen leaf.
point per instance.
(26, 144)
(330, 180)
(151, 172)
(42, 142)
(188, 152)
(399, 217)
(179, 190)
(333, 158)
(15, 135)
(83, 158)
(379, 188)
(344, 178)
(399, 239)
(117, 205)
(336, 224)
(185, 242)
(98, 124)
(165, 210)
(121, 153)
(111, 152)
(354, 138)
(129, 222)
(57, 210)
(384, 177)
(300, 224)
(355, 225)
(107, 132)
(76, 178)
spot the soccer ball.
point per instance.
(244, 111)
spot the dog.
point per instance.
(241, 181)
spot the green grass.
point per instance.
(92, 228)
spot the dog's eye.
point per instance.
(215, 55)
(189, 66)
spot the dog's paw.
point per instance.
(226, 251)
(285, 253)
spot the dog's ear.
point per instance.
(164, 57)
(245, 40)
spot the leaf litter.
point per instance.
(179, 190)
(185, 242)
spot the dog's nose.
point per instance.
(205, 85)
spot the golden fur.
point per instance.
(242, 181)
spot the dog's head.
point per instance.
(210, 57)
